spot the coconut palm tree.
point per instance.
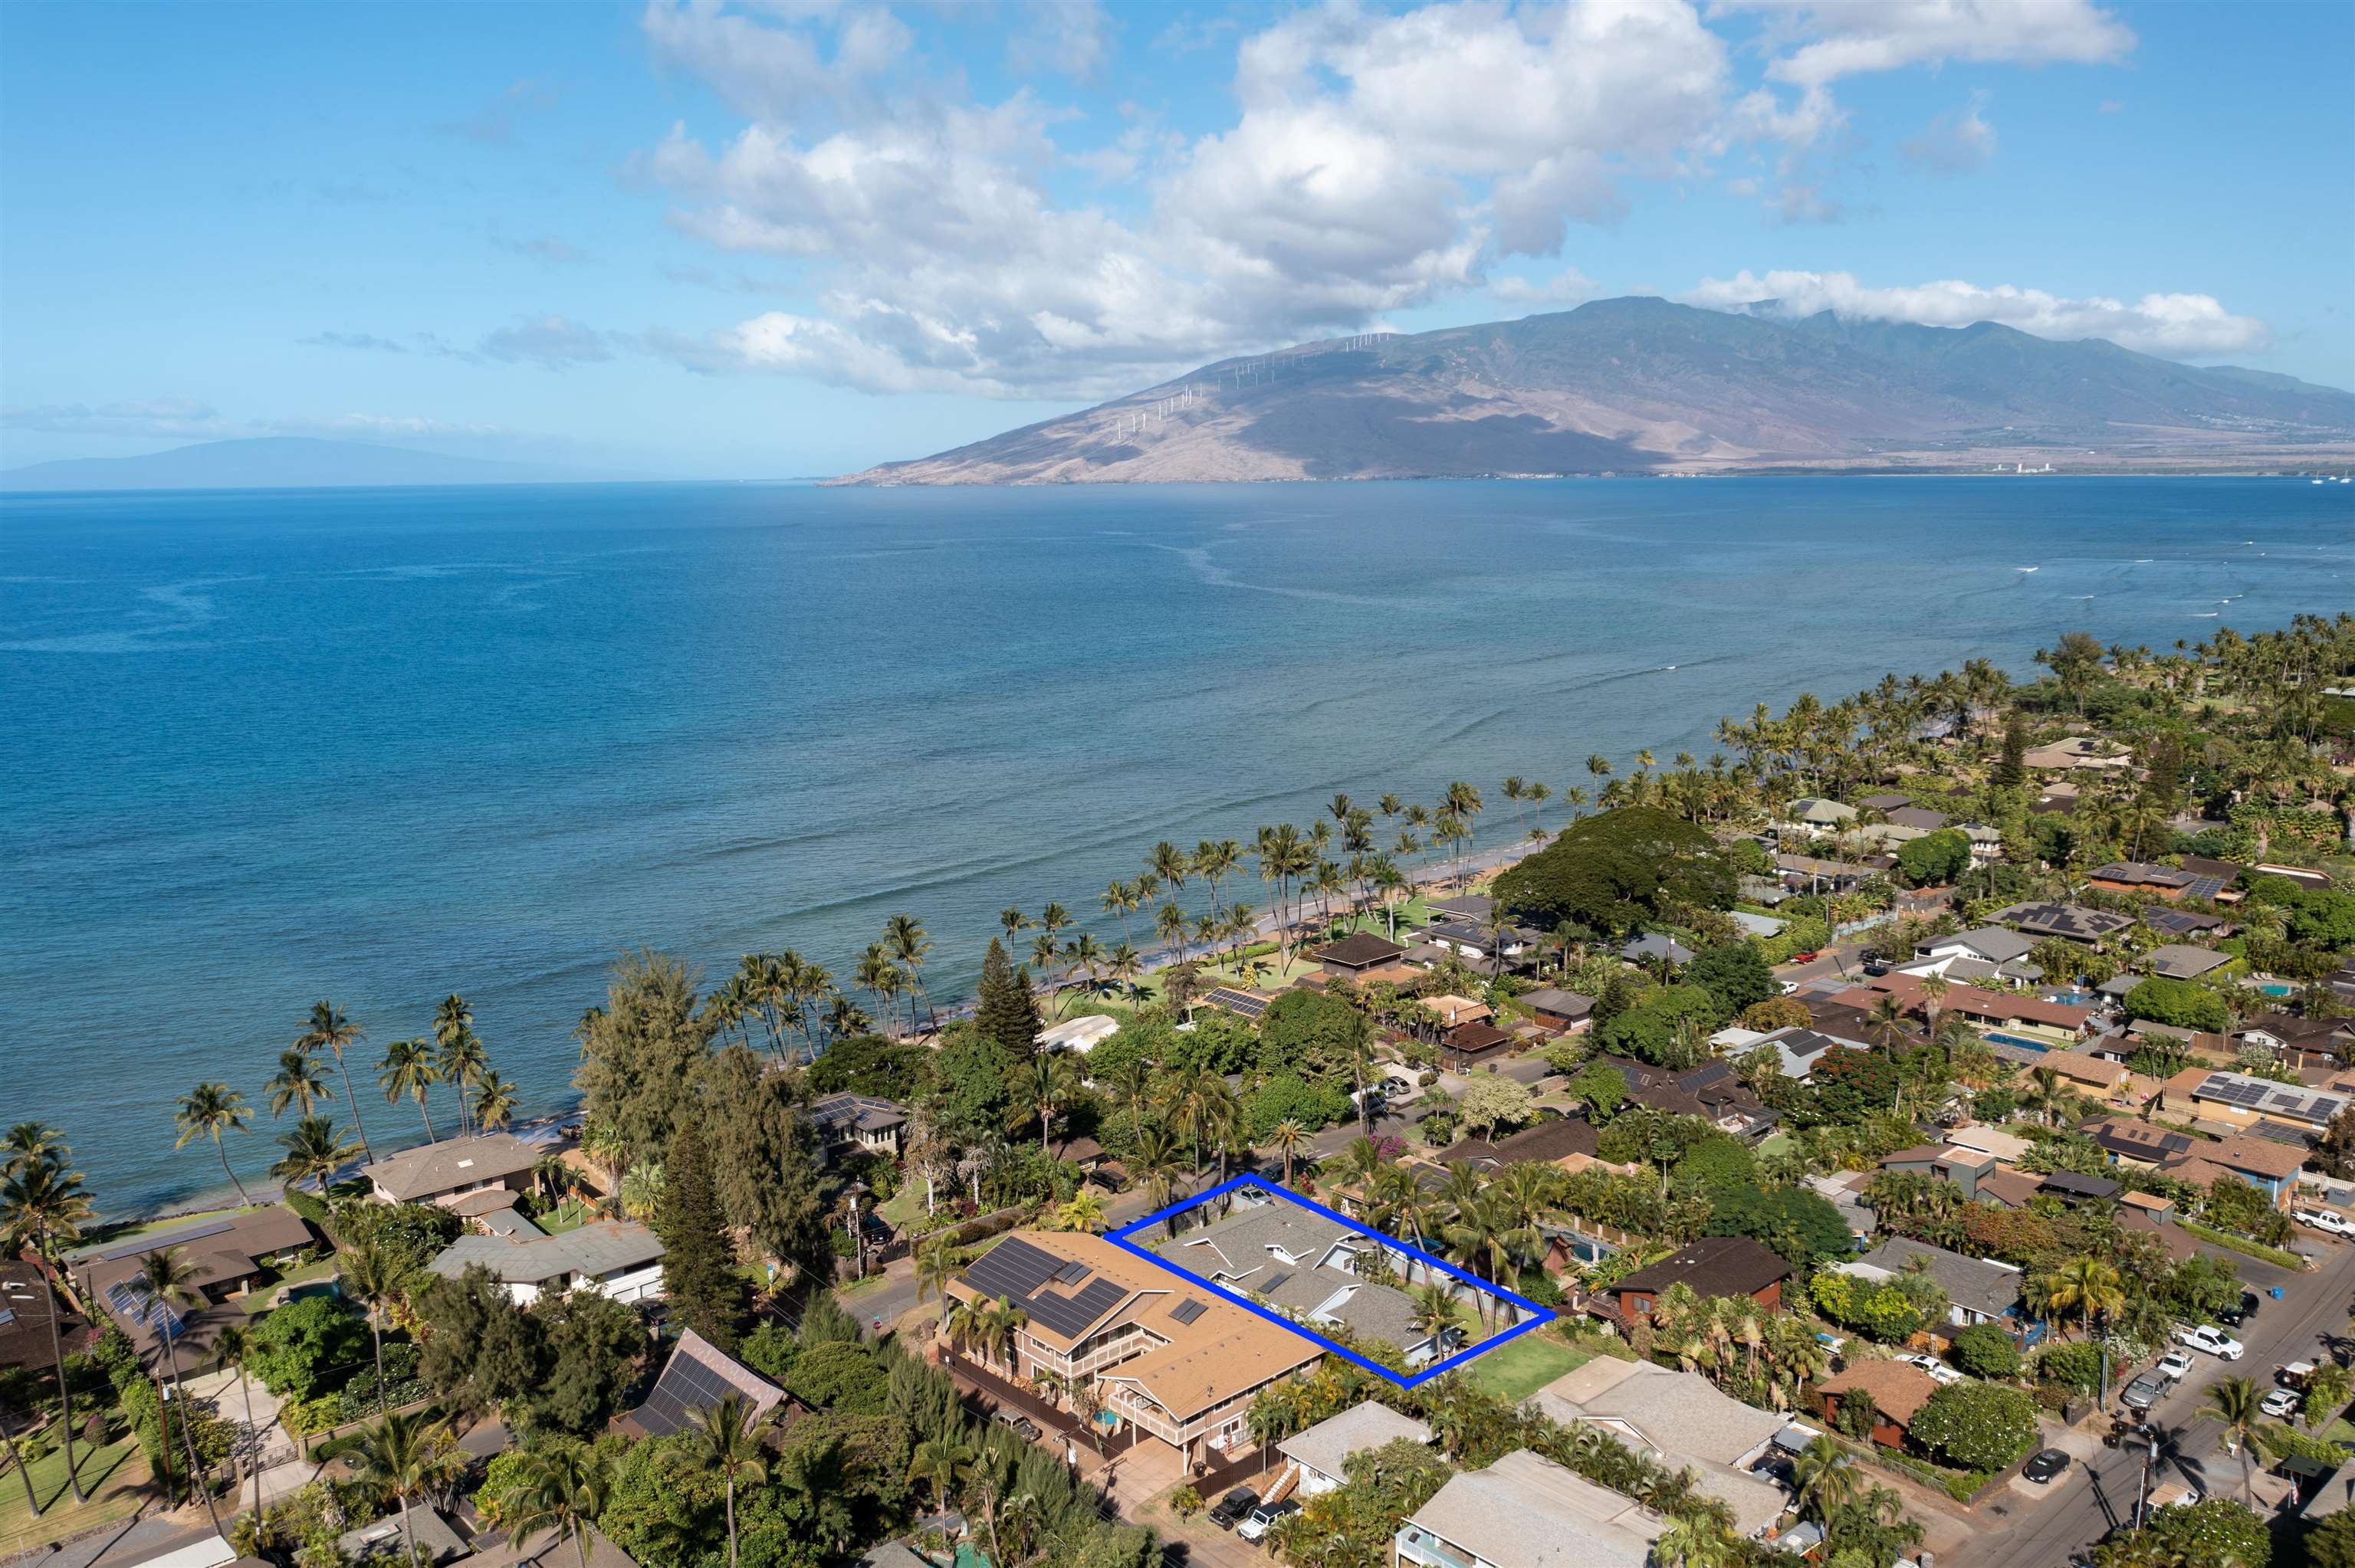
(1287, 1136)
(1823, 1480)
(936, 1264)
(904, 941)
(163, 1276)
(209, 1110)
(312, 1151)
(1434, 1313)
(234, 1348)
(461, 1062)
(409, 1068)
(43, 1207)
(398, 1455)
(725, 1441)
(938, 1461)
(1046, 1083)
(1153, 1157)
(495, 1102)
(2084, 1287)
(328, 1029)
(881, 978)
(2238, 1403)
(372, 1277)
(298, 1083)
(561, 1488)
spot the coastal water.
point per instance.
(260, 748)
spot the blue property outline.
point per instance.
(1534, 1316)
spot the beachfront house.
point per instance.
(440, 1172)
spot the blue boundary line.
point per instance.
(1533, 1315)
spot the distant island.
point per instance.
(277, 462)
(1643, 386)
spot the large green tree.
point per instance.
(1618, 870)
(698, 1266)
(1005, 1010)
(643, 1054)
(764, 1164)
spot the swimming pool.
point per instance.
(2020, 1040)
(2275, 987)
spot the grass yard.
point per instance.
(1519, 1369)
(905, 1206)
(116, 1476)
(569, 1215)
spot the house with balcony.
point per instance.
(438, 1172)
(1171, 1359)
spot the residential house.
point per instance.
(1986, 843)
(1464, 909)
(1713, 1265)
(1810, 874)
(1082, 1035)
(848, 1124)
(1482, 946)
(540, 1550)
(1763, 927)
(2058, 1022)
(1961, 1168)
(1921, 819)
(2007, 1147)
(2076, 753)
(2179, 962)
(2005, 1187)
(2138, 1143)
(1525, 1511)
(2090, 1074)
(1682, 1420)
(2159, 1225)
(1885, 802)
(1898, 1391)
(1727, 1101)
(1476, 1045)
(1305, 1266)
(696, 1377)
(1174, 1362)
(1810, 812)
(1975, 957)
(1653, 948)
(2237, 1102)
(612, 1257)
(1363, 957)
(1559, 1012)
(2141, 880)
(1321, 1455)
(443, 1171)
(225, 1259)
(2074, 1188)
(2272, 1168)
(2182, 923)
(1798, 1049)
(2070, 922)
(2295, 1039)
(1569, 1141)
(1453, 1011)
(391, 1539)
(1980, 1290)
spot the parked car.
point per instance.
(1810, 957)
(1260, 1519)
(2233, 1316)
(1021, 1424)
(1232, 1509)
(2045, 1467)
(2293, 1374)
(2144, 1392)
(2281, 1403)
(2207, 1336)
(2327, 1221)
(2174, 1365)
(1940, 1372)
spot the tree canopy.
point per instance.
(1618, 870)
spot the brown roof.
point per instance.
(1924, 1153)
(1477, 1037)
(2199, 1173)
(2013, 1187)
(214, 1256)
(2262, 1155)
(1713, 1265)
(415, 1174)
(2174, 1238)
(1899, 1390)
(2084, 1069)
(1547, 1141)
(1362, 951)
(1971, 1002)
(1239, 1352)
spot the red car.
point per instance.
(1806, 958)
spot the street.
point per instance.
(2095, 1494)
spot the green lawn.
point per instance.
(1519, 1369)
(904, 1206)
(569, 1215)
(115, 1476)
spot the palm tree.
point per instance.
(2086, 1288)
(372, 1277)
(312, 1151)
(939, 1461)
(1694, 1541)
(409, 1068)
(1823, 1480)
(208, 1111)
(461, 1061)
(561, 1488)
(399, 1455)
(936, 1264)
(234, 1349)
(329, 1030)
(1288, 1135)
(298, 1083)
(1084, 1211)
(163, 1275)
(904, 941)
(2239, 1404)
(726, 1441)
(1153, 1157)
(43, 1206)
(495, 1102)
(1045, 1084)
(2044, 1093)
(1434, 1313)
(881, 978)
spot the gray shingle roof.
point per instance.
(1986, 1287)
(596, 1249)
(1325, 1447)
(452, 1163)
(1525, 1511)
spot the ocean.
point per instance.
(379, 745)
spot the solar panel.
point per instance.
(174, 1238)
(1073, 1273)
(1269, 1287)
(1069, 1316)
(1013, 1268)
(135, 1304)
(688, 1386)
(1242, 1002)
(1186, 1311)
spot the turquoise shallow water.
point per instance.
(379, 746)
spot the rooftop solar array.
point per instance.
(133, 1304)
(174, 1238)
(1239, 1001)
(1186, 1311)
(1276, 1280)
(1018, 1272)
(1073, 1273)
(2288, 1100)
(688, 1386)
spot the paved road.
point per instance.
(2096, 1494)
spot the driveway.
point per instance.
(2099, 1491)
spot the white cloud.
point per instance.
(1568, 287)
(1955, 142)
(1803, 203)
(552, 343)
(1069, 37)
(2180, 326)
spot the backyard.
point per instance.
(1519, 1369)
(116, 1478)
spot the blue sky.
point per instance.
(797, 238)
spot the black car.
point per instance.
(2046, 1465)
(1231, 1508)
(2233, 1316)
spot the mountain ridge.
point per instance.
(265, 462)
(1642, 384)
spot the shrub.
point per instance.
(838, 1374)
(1977, 1426)
(2180, 1003)
(298, 1346)
(2072, 1366)
(1985, 1350)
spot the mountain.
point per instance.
(1641, 385)
(274, 462)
